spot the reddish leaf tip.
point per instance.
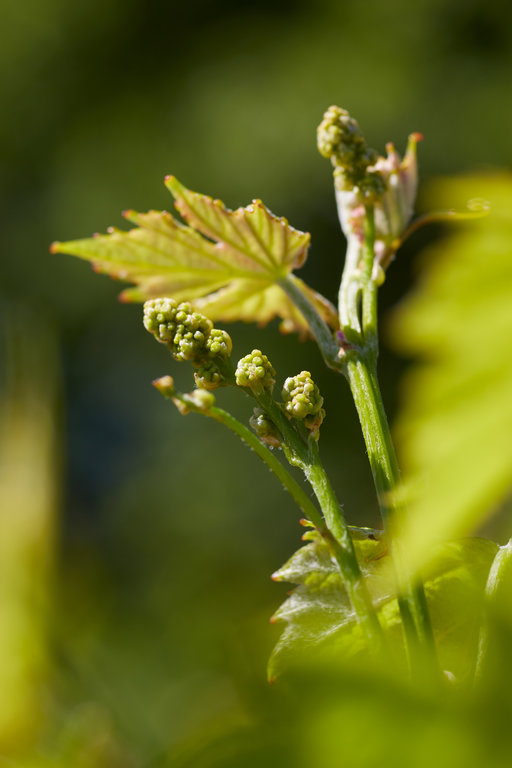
(55, 247)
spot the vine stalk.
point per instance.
(356, 358)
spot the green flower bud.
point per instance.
(362, 177)
(265, 428)
(202, 399)
(209, 376)
(198, 400)
(313, 422)
(301, 396)
(219, 344)
(372, 187)
(191, 334)
(255, 371)
(165, 385)
(185, 332)
(339, 137)
(159, 318)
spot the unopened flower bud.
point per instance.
(209, 376)
(265, 428)
(255, 371)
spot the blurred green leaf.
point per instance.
(456, 420)
(228, 262)
(318, 611)
(29, 476)
(454, 588)
(318, 614)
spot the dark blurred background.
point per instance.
(158, 533)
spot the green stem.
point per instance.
(323, 335)
(305, 454)
(346, 557)
(349, 296)
(386, 476)
(369, 242)
(360, 368)
(358, 321)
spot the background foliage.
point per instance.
(134, 621)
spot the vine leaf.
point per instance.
(319, 618)
(455, 423)
(317, 612)
(228, 263)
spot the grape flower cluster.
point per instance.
(256, 372)
(302, 400)
(362, 177)
(189, 336)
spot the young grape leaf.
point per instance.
(456, 420)
(319, 618)
(318, 612)
(228, 263)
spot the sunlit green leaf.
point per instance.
(226, 262)
(454, 430)
(319, 618)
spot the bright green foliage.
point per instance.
(255, 371)
(302, 400)
(319, 618)
(226, 262)
(455, 428)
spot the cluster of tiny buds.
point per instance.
(255, 371)
(189, 335)
(340, 139)
(302, 400)
(209, 376)
(219, 344)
